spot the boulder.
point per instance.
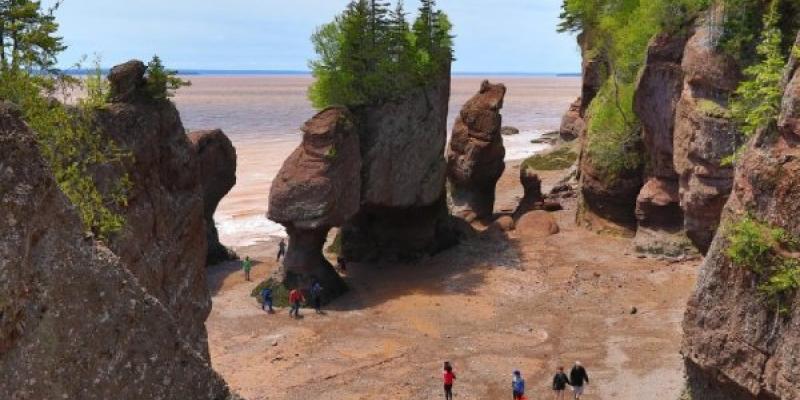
(704, 134)
(532, 196)
(317, 188)
(537, 224)
(658, 90)
(163, 242)
(217, 163)
(475, 158)
(403, 212)
(504, 223)
(737, 345)
(509, 131)
(75, 323)
(572, 123)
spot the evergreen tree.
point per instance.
(27, 35)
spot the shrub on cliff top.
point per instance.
(68, 142)
(369, 55)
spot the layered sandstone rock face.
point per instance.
(163, 242)
(217, 171)
(736, 345)
(75, 322)
(658, 211)
(572, 123)
(317, 188)
(403, 211)
(475, 158)
(704, 134)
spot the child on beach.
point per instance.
(449, 376)
(247, 265)
(518, 386)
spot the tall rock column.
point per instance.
(737, 344)
(704, 133)
(317, 188)
(217, 171)
(658, 90)
(403, 211)
(475, 158)
(163, 241)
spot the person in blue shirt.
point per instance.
(266, 296)
(316, 297)
(518, 385)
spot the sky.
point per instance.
(491, 35)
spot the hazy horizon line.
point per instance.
(253, 72)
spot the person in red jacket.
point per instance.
(295, 299)
(449, 377)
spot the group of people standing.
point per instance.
(296, 299)
(577, 379)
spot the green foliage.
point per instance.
(161, 82)
(713, 109)
(757, 100)
(280, 294)
(66, 135)
(560, 158)
(369, 55)
(767, 251)
(613, 130)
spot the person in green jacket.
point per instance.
(247, 265)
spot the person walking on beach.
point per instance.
(281, 249)
(247, 265)
(518, 386)
(266, 297)
(316, 297)
(560, 382)
(578, 378)
(449, 376)
(295, 299)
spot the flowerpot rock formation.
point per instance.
(318, 187)
(475, 157)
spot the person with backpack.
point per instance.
(560, 382)
(316, 297)
(247, 265)
(577, 378)
(295, 299)
(266, 297)
(518, 385)
(448, 376)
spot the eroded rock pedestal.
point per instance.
(737, 345)
(75, 321)
(572, 123)
(317, 188)
(403, 213)
(217, 171)
(475, 158)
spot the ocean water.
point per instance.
(262, 116)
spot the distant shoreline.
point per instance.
(209, 72)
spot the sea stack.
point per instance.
(217, 171)
(475, 158)
(317, 188)
(163, 242)
(403, 213)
